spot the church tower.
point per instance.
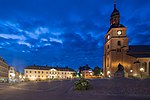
(116, 44)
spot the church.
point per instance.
(135, 59)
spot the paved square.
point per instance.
(114, 89)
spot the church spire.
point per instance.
(114, 4)
(115, 16)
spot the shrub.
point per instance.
(82, 84)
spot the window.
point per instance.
(26, 75)
(119, 43)
(26, 71)
(30, 71)
(35, 71)
(39, 76)
(42, 72)
(108, 47)
(58, 72)
(38, 71)
(50, 72)
(62, 72)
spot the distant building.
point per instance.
(3, 70)
(44, 73)
(135, 59)
(85, 71)
(14, 76)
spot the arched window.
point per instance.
(119, 43)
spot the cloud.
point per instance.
(24, 43)
(43, 39)
(12, 36)
(47, 44)
(41, 30)
(56, 40)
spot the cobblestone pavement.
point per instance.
(114, 89)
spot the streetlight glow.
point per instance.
(142, 69)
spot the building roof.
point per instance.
(48, 68)
(3, 60)
(139, 51)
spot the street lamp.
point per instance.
(137, 66)
(108, 73)
(141, 70)
(131, 70)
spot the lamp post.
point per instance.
(108, 73)
(141, 70)
(137, 65)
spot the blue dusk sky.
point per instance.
(65, 32)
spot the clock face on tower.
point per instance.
(119, 32)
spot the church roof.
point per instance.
(139, 51)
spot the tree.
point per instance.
(97, 71)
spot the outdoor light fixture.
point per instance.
(142, 69)
(131, 70)
(108, 73)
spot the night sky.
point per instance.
(65, 32)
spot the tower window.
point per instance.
(108, 47)
(119, 43)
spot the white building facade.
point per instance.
(35, 73)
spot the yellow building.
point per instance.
(3, 70)
(36, 73)
(135, 59)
